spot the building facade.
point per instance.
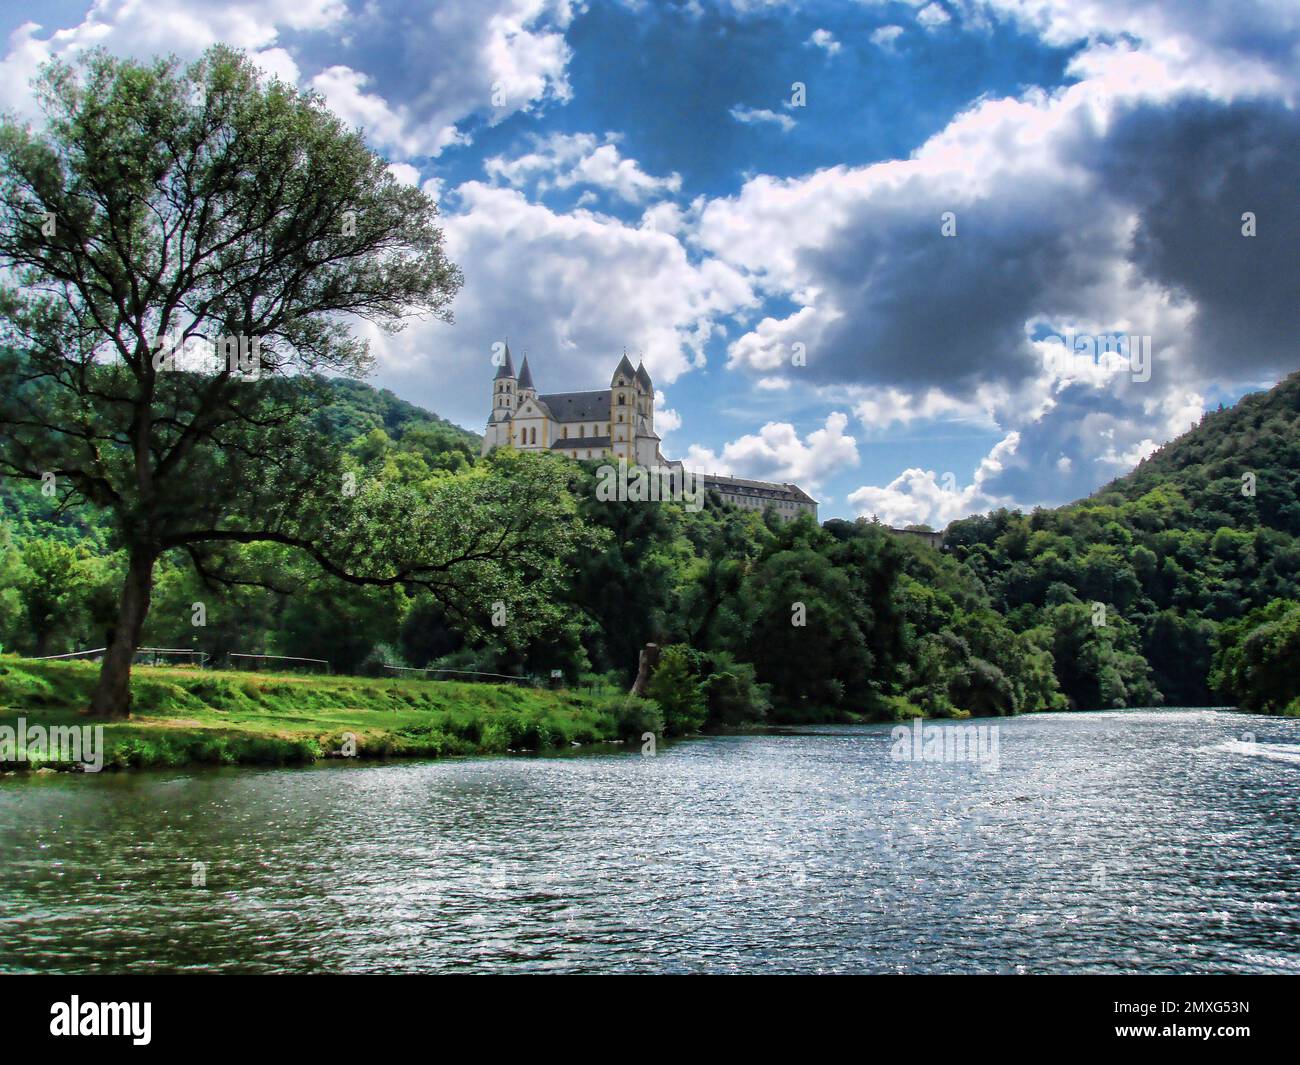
(617, 422)
(788, 500)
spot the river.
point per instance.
(1128, 841)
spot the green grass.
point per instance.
(183, 716)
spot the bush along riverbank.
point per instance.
(186, 717)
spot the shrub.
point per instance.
(678, 693)
(732, 693)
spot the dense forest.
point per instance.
(1178, 583)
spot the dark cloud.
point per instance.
(923, 310)
(1190, 170)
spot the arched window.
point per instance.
(622, 401)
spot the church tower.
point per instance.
(526, 388)
(504, 398)
(645, 395)
(622, 411)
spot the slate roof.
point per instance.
(625, 368)
(578, 406)
(586, 441)
(764, 489)
(507, 368)
(525, 376)
(643, 376)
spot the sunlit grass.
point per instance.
(183, 716)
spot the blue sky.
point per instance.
(643, 176)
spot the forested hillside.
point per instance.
(1202, 533)
(1177, 583)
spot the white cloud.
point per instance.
(666, 419)
(755, 115)
(824, 39)
(924, 497)
(886, 36)
(433, 188)
(392, 129)
(776, 453)
(1244, 47)
(932, 15)
(572, 289)
(161, 27)
(405, 173)
(493, 57)
(277, 63)
(882, 408)
(563, 160)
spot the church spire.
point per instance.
(624, 368)
(507, 368)
(525, 376)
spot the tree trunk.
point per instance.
(112, 696)
(649, 659)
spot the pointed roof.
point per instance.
(642, 376)
(525, 376)
(625, 368)
(507, 368)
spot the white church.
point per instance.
(618, 423)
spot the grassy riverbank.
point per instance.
(185, 716)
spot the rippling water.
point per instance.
(1128, 841)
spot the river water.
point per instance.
(1128, 841)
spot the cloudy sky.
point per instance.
(843, 235)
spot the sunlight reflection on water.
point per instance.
(1150, 840)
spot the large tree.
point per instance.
(183, 252)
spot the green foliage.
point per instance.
(677, 691)
(1255, 663)
(213, 232)
(1201, 534)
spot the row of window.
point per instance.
(746, 501)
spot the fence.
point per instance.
(144, 656)
(254, 662)
(154, 656)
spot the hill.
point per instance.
(361, 408)
(1202, 533)
(1259, 436)
(360, 415)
